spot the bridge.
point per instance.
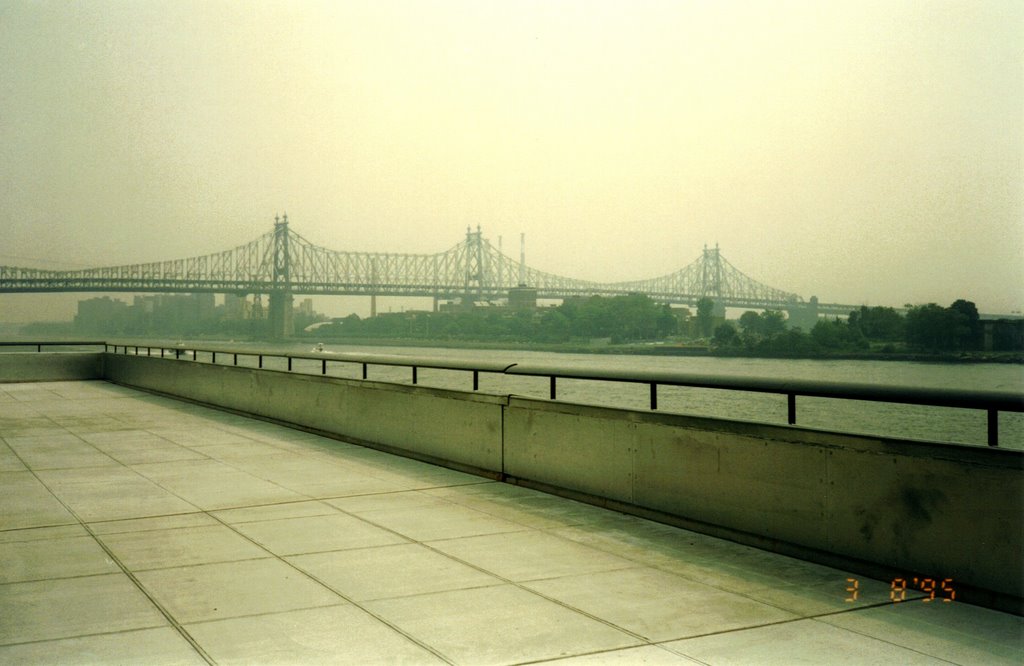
(281, 263)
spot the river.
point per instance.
(962, 426)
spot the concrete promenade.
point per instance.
(137, 529)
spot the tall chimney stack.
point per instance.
(522, 260)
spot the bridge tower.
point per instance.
(474, 266)
(711, 279)
(281, 313)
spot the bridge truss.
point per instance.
(282, 261)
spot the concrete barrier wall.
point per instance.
(905, 508)
(463, 431)
(50, 366)
(912, 508)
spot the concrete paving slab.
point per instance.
(391, 571)
(25, 502)
(111, 493)
(498, 625)
(390, 603)
(9, 462)
(333, 635)
(49, 609)
(801, 587)
(649, 655)
(211, 484)
(801, 642)
(396, 501)
(538, 511)
(658, 605)
(198, 436)
(42, 533)
(441, 522)
(157, 523)
(529, 555)
(314, 534)
(953, 631)
(132, 447)
(422, 475)
(183, 546)
(243, 450)
(314, 476)
(163, 646)
(281, 511)
(79, 425)
(233, 589)
(57, 451)
(42, 559)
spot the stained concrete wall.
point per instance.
(50, 366)
(899, 507)
(907, 508)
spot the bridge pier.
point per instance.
(803, 315)
(280, 319)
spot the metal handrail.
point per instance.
(39, 345)
(992, 402)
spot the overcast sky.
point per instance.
(860, 151)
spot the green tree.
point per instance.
(932, 327)
(725, 335)
(835, 335)
(878, 323)
(971, 333)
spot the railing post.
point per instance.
(323, 367)
(552, 387)
(261, 361)
(177, 353)
(364, 371)
(213, 358)
(791, 408)
(289, 363)
(476, 380)
(236, 359)
(414, 374)
(654, 396)
(161, 352)
(39, 349)
(993, 427)
(194, 354)
(149, 351)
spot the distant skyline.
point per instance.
(860, 151)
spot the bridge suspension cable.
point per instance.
(281, 260)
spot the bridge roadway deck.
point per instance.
(139, 529)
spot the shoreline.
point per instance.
(672, 350)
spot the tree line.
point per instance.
(928, 328)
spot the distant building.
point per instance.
(101, 315)
(522, 298)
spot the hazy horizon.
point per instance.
(862, 152)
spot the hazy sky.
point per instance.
(863, 152)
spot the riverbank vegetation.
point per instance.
(636, 324)
(622, 324)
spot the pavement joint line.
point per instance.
(878, 638)
(606, 651)
(342, 596)
(281, 559)
(127, 572)
(35, 641)
(507, 581)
